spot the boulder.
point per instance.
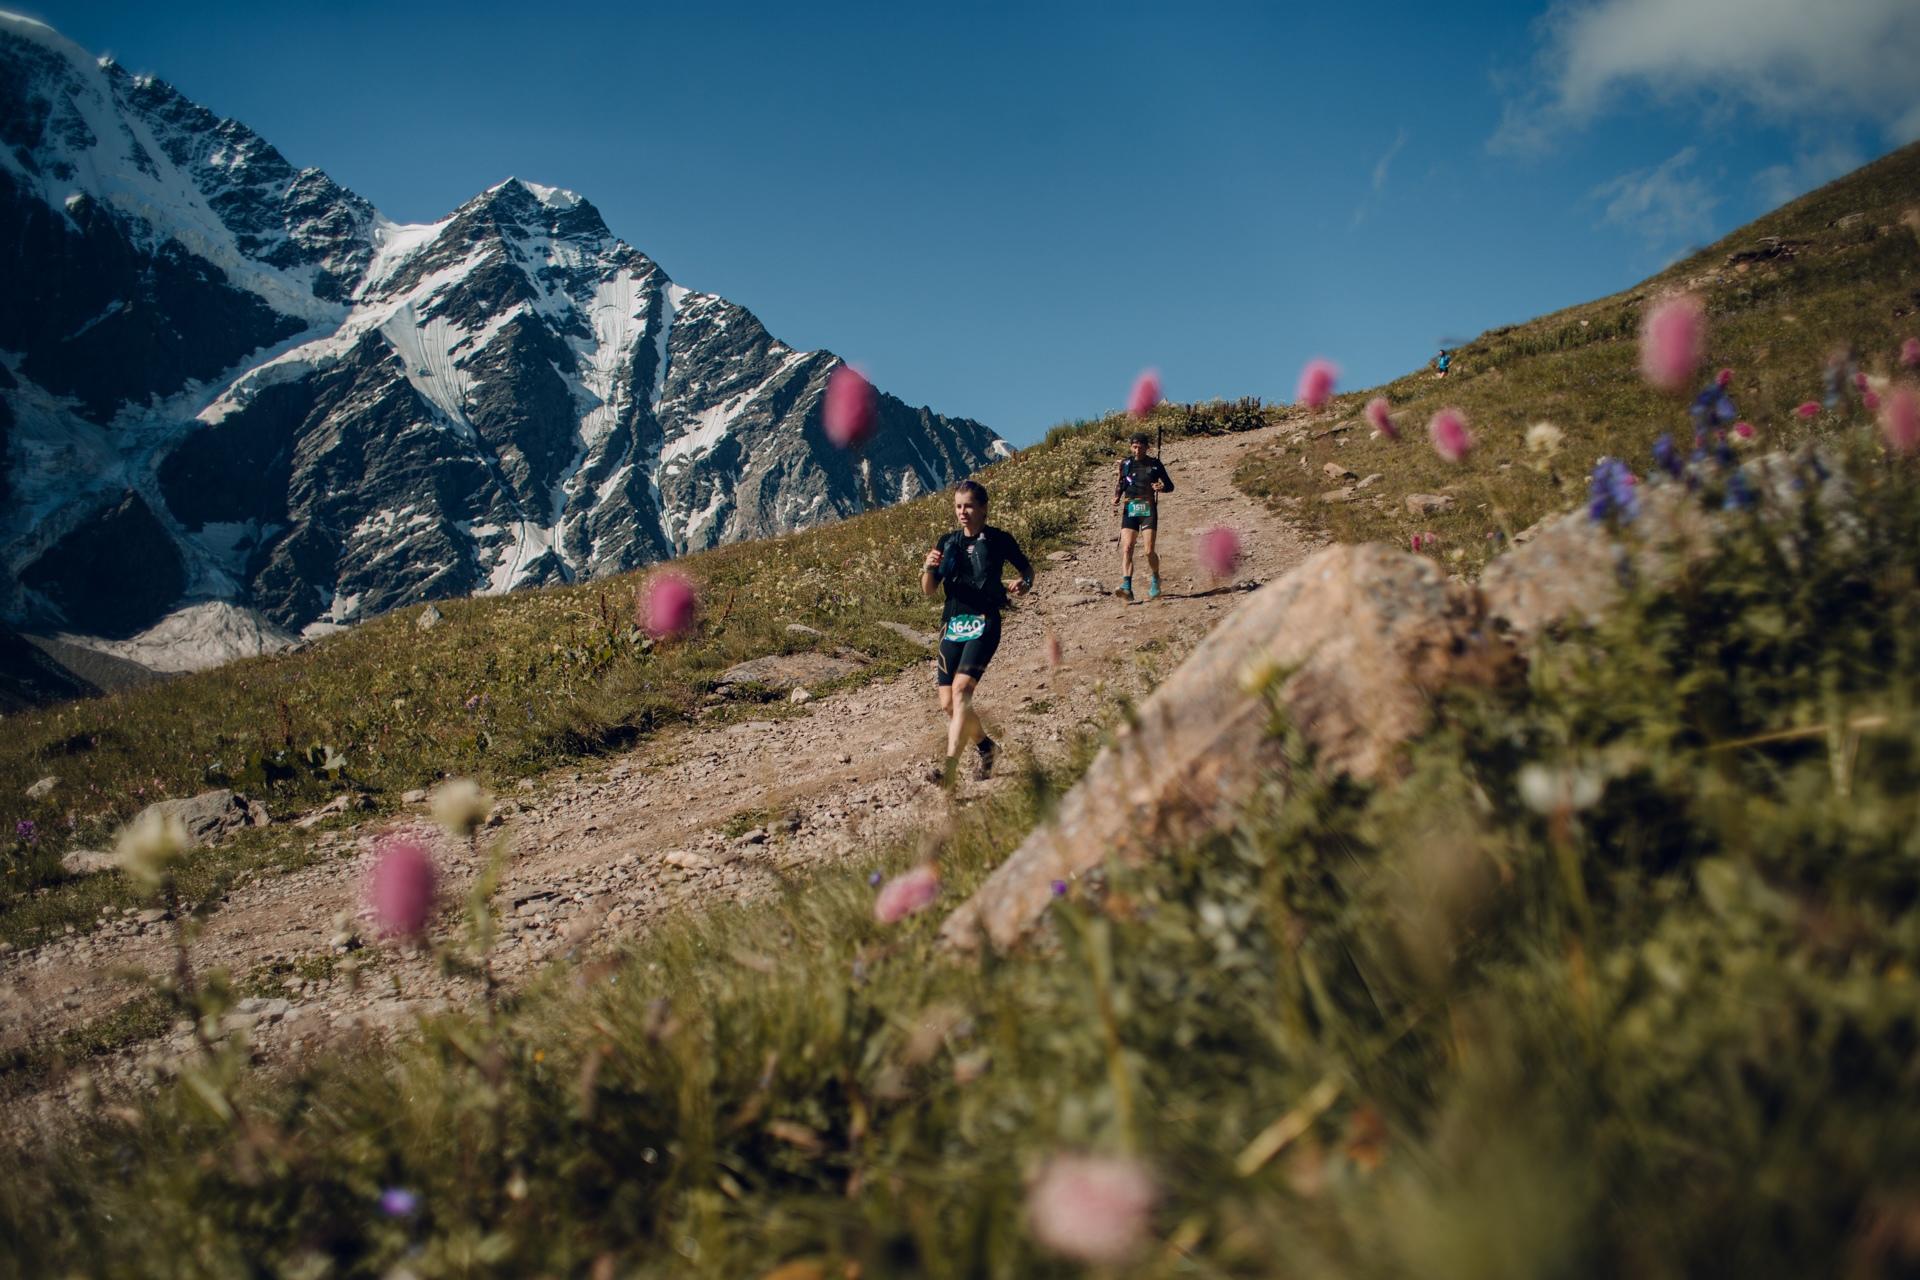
(42, 787)
(785, 671)
(1426, 504)
(430, 617)
(925, 639)
(802, 629)
(1352, 644)
(1335, 472)
(208, 817)
(87, 862)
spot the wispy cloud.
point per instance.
(1814, 165)
(1792, 60)
(1669, 205)
(1380, 168)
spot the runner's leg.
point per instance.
(963, 723)
(1126, 554)
(1148, 536)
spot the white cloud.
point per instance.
(1380, 168)
(1669, 205)
(1776, 184)
(1792, 60)
(1380, 165)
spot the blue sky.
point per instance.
(1007, 211)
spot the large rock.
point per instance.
(785, 671)
(208, 817)
(1354, 644)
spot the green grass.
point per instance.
(1774, 324)
(1671, 1033)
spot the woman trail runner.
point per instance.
(1142, 480)
(968, 563)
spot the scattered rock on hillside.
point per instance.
(87, 862)
(925, 639)
(1335, 471)
(799, 695)
(802, 629)
(208, 817)
(1426, 504)
(784, 671)
(1369, 634)
(1060, 557)
(42, 787)
(430, 617)
(1344, 494)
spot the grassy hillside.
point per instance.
(1839, 266)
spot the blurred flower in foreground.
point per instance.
(850, 412)
(460, 805)
(668, 604)
(905, 894)
(398, 1202)
(1666, 456)
(401, 887)
(1448, 431)
(1544, 437)
(1218, 551)
(1091, 1208)
(1724, 378)
(1146, 394)
(1380, 418)
(24, 830)
(1910, 353)
(150, 845)
(1673, 340)
(1054, 654)
(1900, 419)
(1742, 432)
(1613, 491)
(1547, 789)
(1809, 409)
(1316, 382)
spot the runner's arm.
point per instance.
(1166, 481)
(1018, 559)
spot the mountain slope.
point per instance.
(235, 380)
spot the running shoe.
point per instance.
(1153, 588)
(988, 749)
(1126, 590)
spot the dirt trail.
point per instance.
(594, 856)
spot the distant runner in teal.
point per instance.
(969, 562)
(1142, 480)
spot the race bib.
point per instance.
(1137, 508)
(963, 627)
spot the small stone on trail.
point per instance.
(1427, 504)
(1060, 557)
(416, 796)
(799, 695)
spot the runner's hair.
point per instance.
(974, 487)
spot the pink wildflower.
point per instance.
(668, 605)
(850, 412)
(1859, 381)
(906, 893)
(1810, 409)
(1673, 339)
(1380, 419)
(1910, 352)
(401, 887)
(1871, 399)
(1316, 382)
(1724, 378)
(1146, 394)
(1900, 420)
(1091, 1208)
(1449, 434)
(1743, 431)
(1218, 551)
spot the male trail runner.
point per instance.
(968, 563)
(1142, 481)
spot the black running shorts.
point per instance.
(1151, 520)
(967, 657)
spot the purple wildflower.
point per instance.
(873, 878)
(1666, 456)
(1740, 495)
(1613, 491)
(1059, 888)
(24, 830)
(398, 1202)
(1713, 407)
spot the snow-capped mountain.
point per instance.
(226, 379)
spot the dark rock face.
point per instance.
(323, 415)
(113, 573)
